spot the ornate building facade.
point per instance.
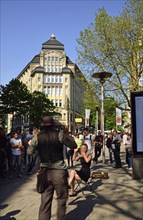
(53, 73)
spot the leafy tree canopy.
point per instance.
(115, 44)
(40, 106)
(14, 97)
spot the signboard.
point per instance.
(118, 116)
(137, 121)
(78, 120)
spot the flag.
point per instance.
(87, 116)
(118, 116)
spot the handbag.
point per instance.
(99, 175)
(42, 182)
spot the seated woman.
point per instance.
(84, 172)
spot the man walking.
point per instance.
(49, 145)
(116, 142)
(98, 146)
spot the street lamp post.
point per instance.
(102, 76)
(96, 121)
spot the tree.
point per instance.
(39, 107)
(110, 113)
(14, 98)
(115, 44)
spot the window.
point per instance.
(57, 91)
(56, 102)
(49, 59)
(66, 79)
(56, 79)
(49, 68)
(60, 91)
(53, 59)
(45, 90)
(45, 79)
(53, 90)
(49, 79)
(52, 79)
(60, 79)
(57, 59)
(57, 69)
(53, 68)
(39, 78)
(49, 90)
(60, 68)
(45, 67)
(60, 103)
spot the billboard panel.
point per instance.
(137, 121)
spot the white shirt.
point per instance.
(15, 151)
(88, 140)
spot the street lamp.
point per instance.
(102, 76)
(96, 121)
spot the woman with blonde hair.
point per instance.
(84, 172)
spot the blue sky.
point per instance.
(25, 25)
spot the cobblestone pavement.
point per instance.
(120, 197)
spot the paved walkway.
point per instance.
(120, 198)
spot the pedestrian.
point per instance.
(49, 145)
(34, 157)
(128, 149)
(70, 153)
(109, 146)
(3, 152)
(16, 154)
(116, 143)
(98, 143)
(88, 139)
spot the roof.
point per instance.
(66, 70)
(36, 59)
(68, 61)
(53, 44)
(38, 69)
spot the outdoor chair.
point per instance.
(82, 185)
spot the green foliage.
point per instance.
(115, 44)
(110, 113)
(14, 98)
(39, 107)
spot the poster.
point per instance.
(139, 122)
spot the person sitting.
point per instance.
(84, 172)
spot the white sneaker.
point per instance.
(130, 168)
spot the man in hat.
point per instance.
(49, 145)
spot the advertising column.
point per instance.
(137, 132)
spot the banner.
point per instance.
(87, 116)
(118, 116)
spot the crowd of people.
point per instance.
(14, 151)
(14, 155)
(55, 149)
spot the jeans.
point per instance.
(117, 157)
(110, 155)
(16, 160)
(130, 160)
(57, 181)
(97, 153)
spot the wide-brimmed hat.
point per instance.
(47, 121)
